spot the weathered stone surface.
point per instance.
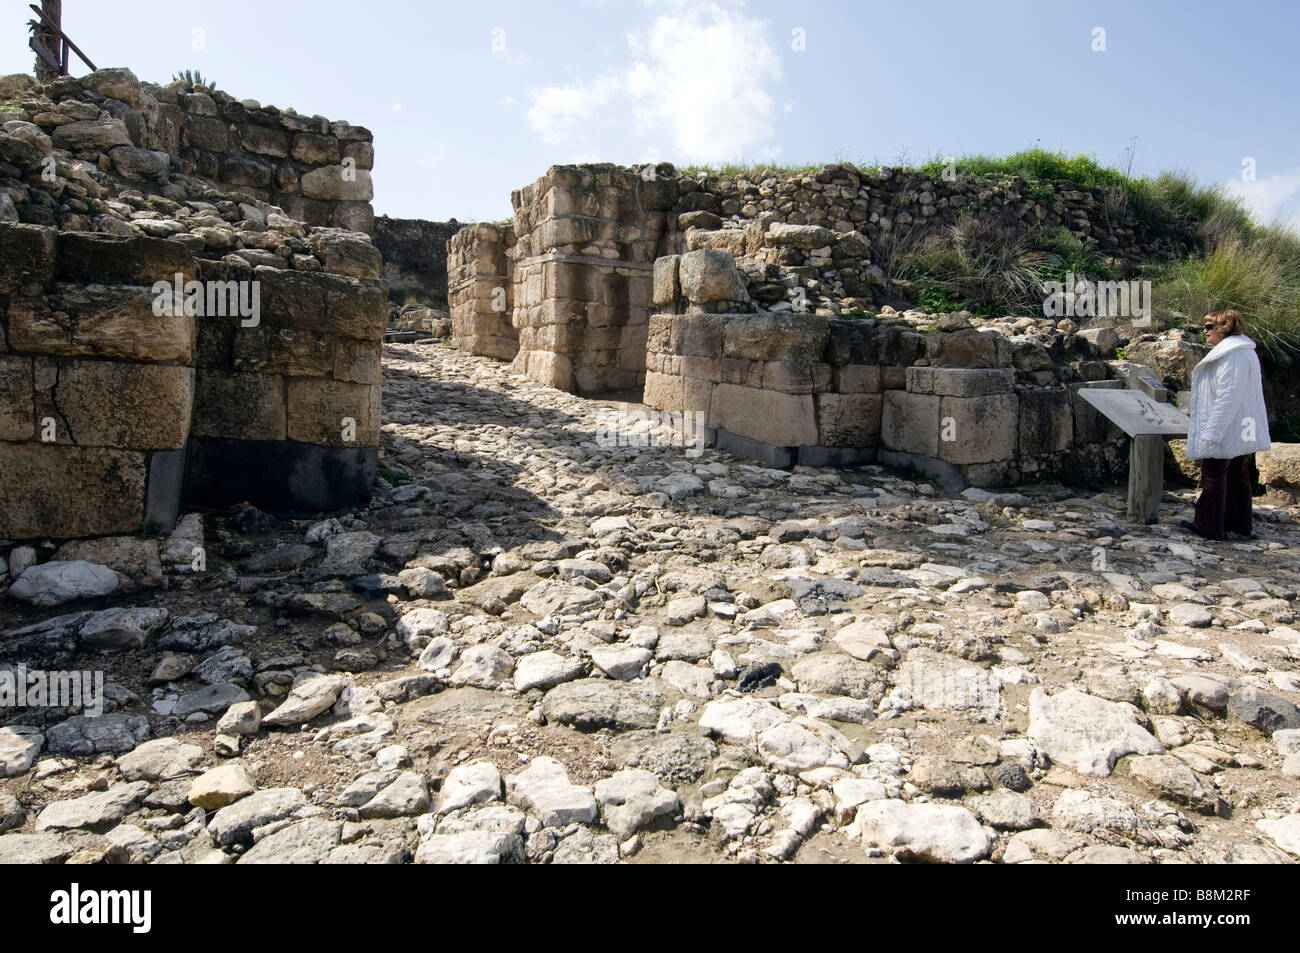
(19, 746)
(708, 275)
(307, 700)
(120, 628)
(162, 759)
(54, 583)
(84, 736)
(471, 847)
(97, 811)
(483, 666)
(543, 789)
(149, 410)
(308, 841)
(545, 670)
(910, 423)
(235, 824)
(1167, 777)
(1090, 734)
(221, 786)
(1264, 710)
(631, 799)
(591, 703)
(926, 832)
(475, 783)
(330, 184)
(784, 420)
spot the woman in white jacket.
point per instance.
(1229, 423)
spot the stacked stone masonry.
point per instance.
(807, 242)
(965, 405)
(479, 291)
(112, 415)
(168, 339)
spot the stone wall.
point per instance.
(415, 258)
(587, 239)
(811, 242)
(118, 404)
(314, 169)
(969, 406)
(480, 291)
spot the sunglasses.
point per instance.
(1210, 327)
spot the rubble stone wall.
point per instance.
(962, 404)
(480, 291)
(316, 170)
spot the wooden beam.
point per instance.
(54, 28)
(1146, 477)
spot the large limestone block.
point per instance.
(968, 348)
(1279, 468)
(17, 421)
(1090, 425)
(849, 420)
(239, 406)
(296, 352)
(1046, 420)
(803, 237)
(910, 423)
(116, 82)
(977, 429)
(729, 240)
(53, 490)
(959, 382)
(26, 255)
(857, 379)
(319, 412)
(701, 335)
(333, 185)
(783, 420)
(95, 258)
(1172, 357)
(100, 321)
(92, 135)
(779, 336)
(708, 275)
(662, 391)
(667, 289)
(326, 304)
(347, 253)
(129, 406)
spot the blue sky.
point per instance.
(479, 98)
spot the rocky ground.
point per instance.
(536, 648)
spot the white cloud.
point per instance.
(1273, 198)
(696, 83)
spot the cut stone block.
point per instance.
(959, 382)
(910, 423)
(982, 429)
(1046, 420)
(318, 411)
(785, 420)
(54, 490)
(849, 420)
(241, 406)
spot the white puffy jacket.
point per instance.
(1228, 417)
